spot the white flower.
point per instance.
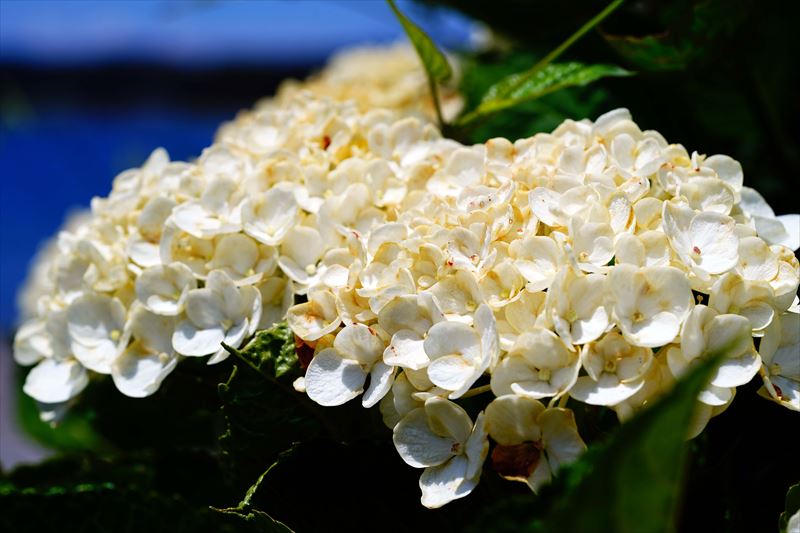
(649, 248)
(705, 332)
(163, 288)
(780, 357)
(537, 259)
(96, 325)
(218, 313)
(616, 371)
(539, 365)
(141, 368)
(337, 375)
(706, 242)
(460, 354)
(441, 438)
(216, 212)
(650, 303)
(751, 299)
(242, 259)
(269, 216)
(316, 317)
(576, 304)
(757, 262)
(532, 442)
(301, 250)
(408, 319)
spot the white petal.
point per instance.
(606, 391)
(381, 378)
(453, 338)
(53, 381)
(511, 419)
(735, 372)
(477, 447)
(417, 445)
(562, 442)
(406, 350)
(446, 418)
(360, 343)
(204, 308)
(93, 318)
(714, 242)
(792, 225)
(728, 169)
(332, 380)
(32, 343)
(659, 330)
(442, 484)
(715, 396)
(138, 373)
(188, 339)
(453, 373)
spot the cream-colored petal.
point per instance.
(333, 380)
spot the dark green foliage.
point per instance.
(792, 507)
(263, 414)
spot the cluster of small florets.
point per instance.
(594, 264)
(182, 257)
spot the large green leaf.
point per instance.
(523, 87)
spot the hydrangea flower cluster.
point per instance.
(595, 264)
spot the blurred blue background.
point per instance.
(90, 88)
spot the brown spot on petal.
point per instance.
(696, 250)
(517, 461)
(778, 391)
(304, 350)
(326, 141)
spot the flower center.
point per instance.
(544, 374)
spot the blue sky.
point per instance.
(204, 32)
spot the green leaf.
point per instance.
(526, 86)
(272, 351)
(433, 60)
(792, 507)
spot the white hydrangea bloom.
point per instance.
(424, 269)
(441, 438)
